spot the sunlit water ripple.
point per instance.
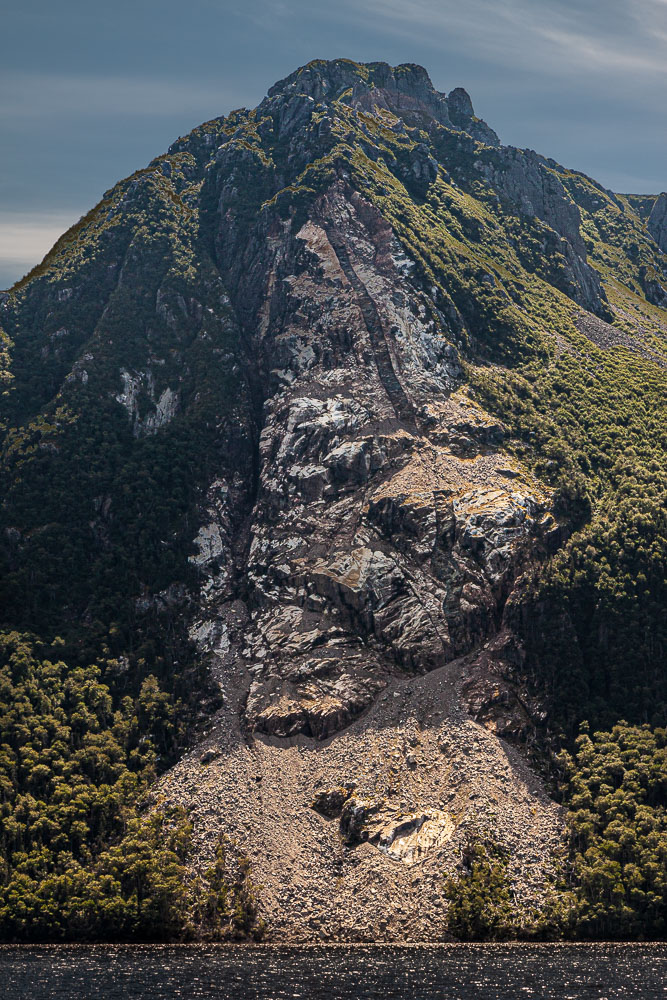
(447, 972)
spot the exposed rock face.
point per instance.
(657, 221)
(330, 801)
(406, 90)
(525, 178)
(403, 836)
(654, 290)
(388, 530)
(164, 407)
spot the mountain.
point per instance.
(333, 537)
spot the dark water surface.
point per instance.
(446, 972)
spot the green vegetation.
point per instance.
(481, 907)
(615, 787)
(79, 861)
(593, 426)
(101, 687)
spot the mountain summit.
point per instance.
(405, 90)
(333, 483)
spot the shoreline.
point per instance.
(325, 945)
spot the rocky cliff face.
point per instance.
(388, 528)
(284, 321)
(657, 221)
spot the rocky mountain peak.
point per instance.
(329, 78)
(405, 90)
(460, 104)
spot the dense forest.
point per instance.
(81, 860)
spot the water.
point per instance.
(447, 972)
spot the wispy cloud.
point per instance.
(595, 55)
(550, 37)
(32, 95)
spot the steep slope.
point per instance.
(362, 412)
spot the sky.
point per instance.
(90, 91)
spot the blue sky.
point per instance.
(91, 91)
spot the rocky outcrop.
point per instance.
(654, 289)
(329, 802)
(388, 527)
(657, 221)
(531, 184)
(404, 90)
(403, 836)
